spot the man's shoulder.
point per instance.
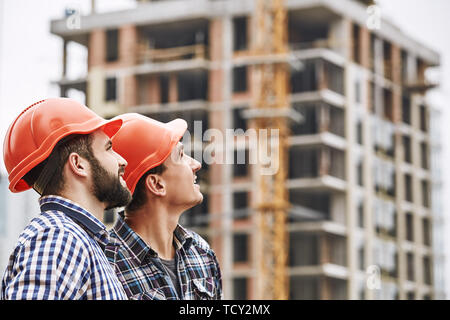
(201, 252)
(113, 233)
(120, 238)
(198, 241)
(49, 225)
(119, 245)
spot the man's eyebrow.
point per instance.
(108, 144)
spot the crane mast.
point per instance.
(272, 79)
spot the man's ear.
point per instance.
(77, 165)
(155, 184)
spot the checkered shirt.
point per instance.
(60, 255)
(142, 273)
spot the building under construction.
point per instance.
(361, 221)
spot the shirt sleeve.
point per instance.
(52, 265)
(217, 278)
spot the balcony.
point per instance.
(172, 46)
(313, 255)
(314, 249)
(419, 82)
(148, 55)
(172, 92)
(315, 162)
(318, 210)
(313, 28)
(66, 85)
(317, 74)
(318, 118)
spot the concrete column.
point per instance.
(341, 33)
(96, 48)
(421, 68)
(369, 223)
(173, 88)
(153, 90)
(95, 95)
(396, 78)
(227, 43)
(128, 39)
(336, 38)
(364, 50)
(378, 56)
(127, 57)
(417, 195)
(219, 93)
(96, 89)
(351, 196)
(324, 161)
(401, 215)
(324, 118)
(324, 253)
(321, 75)
(411, 65)
(325, 288)
(129, 92)
(396, 63)
(62, 90)
(64, 58)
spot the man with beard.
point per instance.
(157, 258)
(56, 146)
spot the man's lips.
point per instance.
(121, 173)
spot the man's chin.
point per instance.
(121, 200)
(199, 199)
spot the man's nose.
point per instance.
(195, 165)
(121, 160)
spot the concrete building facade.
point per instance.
(362, 218)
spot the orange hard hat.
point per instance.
(145, 143)
(32, 136)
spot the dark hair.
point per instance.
(139, 195)
(78, 143)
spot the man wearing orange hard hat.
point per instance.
(157, 258)
(62, 149)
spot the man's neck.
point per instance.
(155, 224)
(87, 201)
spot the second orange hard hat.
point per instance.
(32, 136)
(145, 143)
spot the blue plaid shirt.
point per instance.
(144, 277)
(60, 255)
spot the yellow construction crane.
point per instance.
(271, 100)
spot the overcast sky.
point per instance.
(30, 57)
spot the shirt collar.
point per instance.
(182, 238)
(76, 213)
(138, 247)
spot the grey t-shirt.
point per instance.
(171, 269)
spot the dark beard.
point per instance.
(107, 187)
